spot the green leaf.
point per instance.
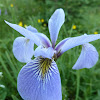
(3, 95)
(14, 97)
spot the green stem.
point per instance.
(9, 76)
(71, 30)
(78, 84)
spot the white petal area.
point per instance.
(88, 57)
(23, 49)
(79, 40)
(43, 38)
(55, 23)
(32, 86)
(25, 32)
(44, 52)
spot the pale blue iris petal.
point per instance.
(88, 57)
(23, 49)
(44, 39)
(79, 40)
(26, 33)
(32, 87)
(37, 38)
(32, 29)
(60, 44)
(55, 23)
(44, 52)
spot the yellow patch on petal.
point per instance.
(45, 64)
(27, 40)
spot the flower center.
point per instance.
(45, 65)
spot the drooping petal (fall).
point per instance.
(55, 23)
(39, 80)
(44, 52)
(79, 40)
(23, 49)
(88, 57)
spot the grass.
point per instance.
(76, 85)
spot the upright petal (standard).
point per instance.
(55, 23)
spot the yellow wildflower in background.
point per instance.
(44, 25)
(25, 25)
(95, 32)
(42, 20)
(20, 24)
(11, 5)
(74, 27)
(39, 20)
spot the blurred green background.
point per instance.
(82, 16)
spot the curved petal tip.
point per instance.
(88, 57)
(55, 23)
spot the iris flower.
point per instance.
(39, 79)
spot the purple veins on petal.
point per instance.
(39, 80)
(88, 57)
